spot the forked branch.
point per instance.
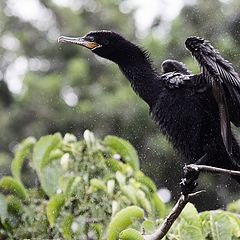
(184, 199)
(172, 216)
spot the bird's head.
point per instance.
(106, 44)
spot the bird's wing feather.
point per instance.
(225, 84)
(232, 94)
(173, 80)
(176, 74)
(214, 64)
(216, 68)
(225, 126)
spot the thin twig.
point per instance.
(204, 168)
(172, 216)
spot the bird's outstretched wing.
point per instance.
(225, 83)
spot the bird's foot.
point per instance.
(188, 185)
(189, 182)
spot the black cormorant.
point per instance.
(184, 109)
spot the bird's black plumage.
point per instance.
(184, 112)
(171, 65)
(225, 83)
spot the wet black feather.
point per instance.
(225, 82)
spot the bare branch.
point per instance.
(184, 199)
(172, 216)
(204, 168)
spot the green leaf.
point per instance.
(142, 178)
(10, 185)
(42, 150)
(205, 220)
(14, 205)
(235, 223)
(190, 215)
(159, 206)
(234, 207)
(124, 149)
(221, 226)
(130, 192)
(121, 178)
(22, 152)
(98, 228)
(98, 184)
(49, 178)
(143, 201)
(148, 227)
(189, 227)
(122, 220)
(49, 171)
(72, 185)
(54, 207)
(114, 164)
(66, 227)
(3, 208)
(130, 234)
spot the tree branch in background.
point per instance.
(172, 216)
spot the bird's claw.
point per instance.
(189, 183)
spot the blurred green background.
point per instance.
(46, 87)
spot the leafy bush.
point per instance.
(93, 189)
(82, 184)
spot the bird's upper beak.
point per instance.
(80, 41)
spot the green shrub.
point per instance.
(82, 186)
(94, 189)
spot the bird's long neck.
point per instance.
(138, 69)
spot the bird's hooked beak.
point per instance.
(80, 41)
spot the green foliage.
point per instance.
(191, 225)
(3, 208)
(122, 220)
(130, 234)
(10, 185)
(87, 188)
(94, 188)
(220, 225)
(125, 149)
(44, 156)
(54, 207)
(20, 155)
(234, 207)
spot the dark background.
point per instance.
(46, 87)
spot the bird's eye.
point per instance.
(90, 38)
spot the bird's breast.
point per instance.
(181, 117)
